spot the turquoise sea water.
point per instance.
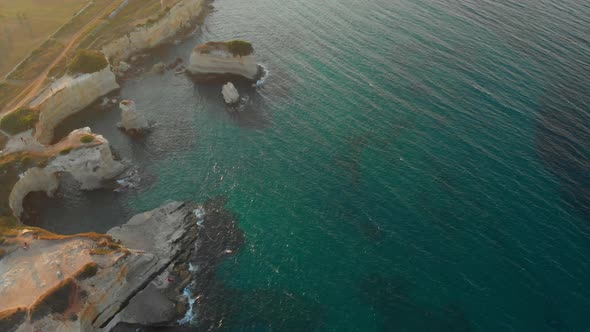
(408, 166)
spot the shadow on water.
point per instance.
(72, 210)
(563, 141)
(162, 139)
(222, 308)
(553, 317)
(391, 298)
(351, 159)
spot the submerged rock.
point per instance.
(230, 93)
(131, 120)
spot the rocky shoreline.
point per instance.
(72, 93)
(132, 276)
(135, 275)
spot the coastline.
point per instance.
(12, 231)
(134, 274)
(69, 95)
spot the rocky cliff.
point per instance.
(213, 60)
(93, 282)
(152, 34)
(67, 96)
(89, 163)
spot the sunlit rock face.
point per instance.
(94, 282)
(68, 95)
(131, 120)
(147, 36)
(89, 163)
(214, 59)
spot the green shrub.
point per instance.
(87, 61)
(239, 47)
(65, 151)
(87, 139)
(20, 120)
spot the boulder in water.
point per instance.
(159, 68)
(230, 93)
(131, 120)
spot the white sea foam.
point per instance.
(262, 80)
(190, 315)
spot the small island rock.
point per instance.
(230, 93)
(131, 119)
(222, 59)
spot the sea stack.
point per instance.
(131, 120)
(230, 93)
(220, 60)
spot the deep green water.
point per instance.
(408, 166)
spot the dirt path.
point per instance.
(31, 91)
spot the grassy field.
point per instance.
(26, 24)
(21, 82)
(44, 58)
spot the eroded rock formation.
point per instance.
(214, 59)
(67, 96)
(93, 282)
(131, 120)
(89, 163)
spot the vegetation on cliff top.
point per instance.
(239, 47)
(87, 139)
(10, 167)
(87, 61)
(235, 47)
(20, 120)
